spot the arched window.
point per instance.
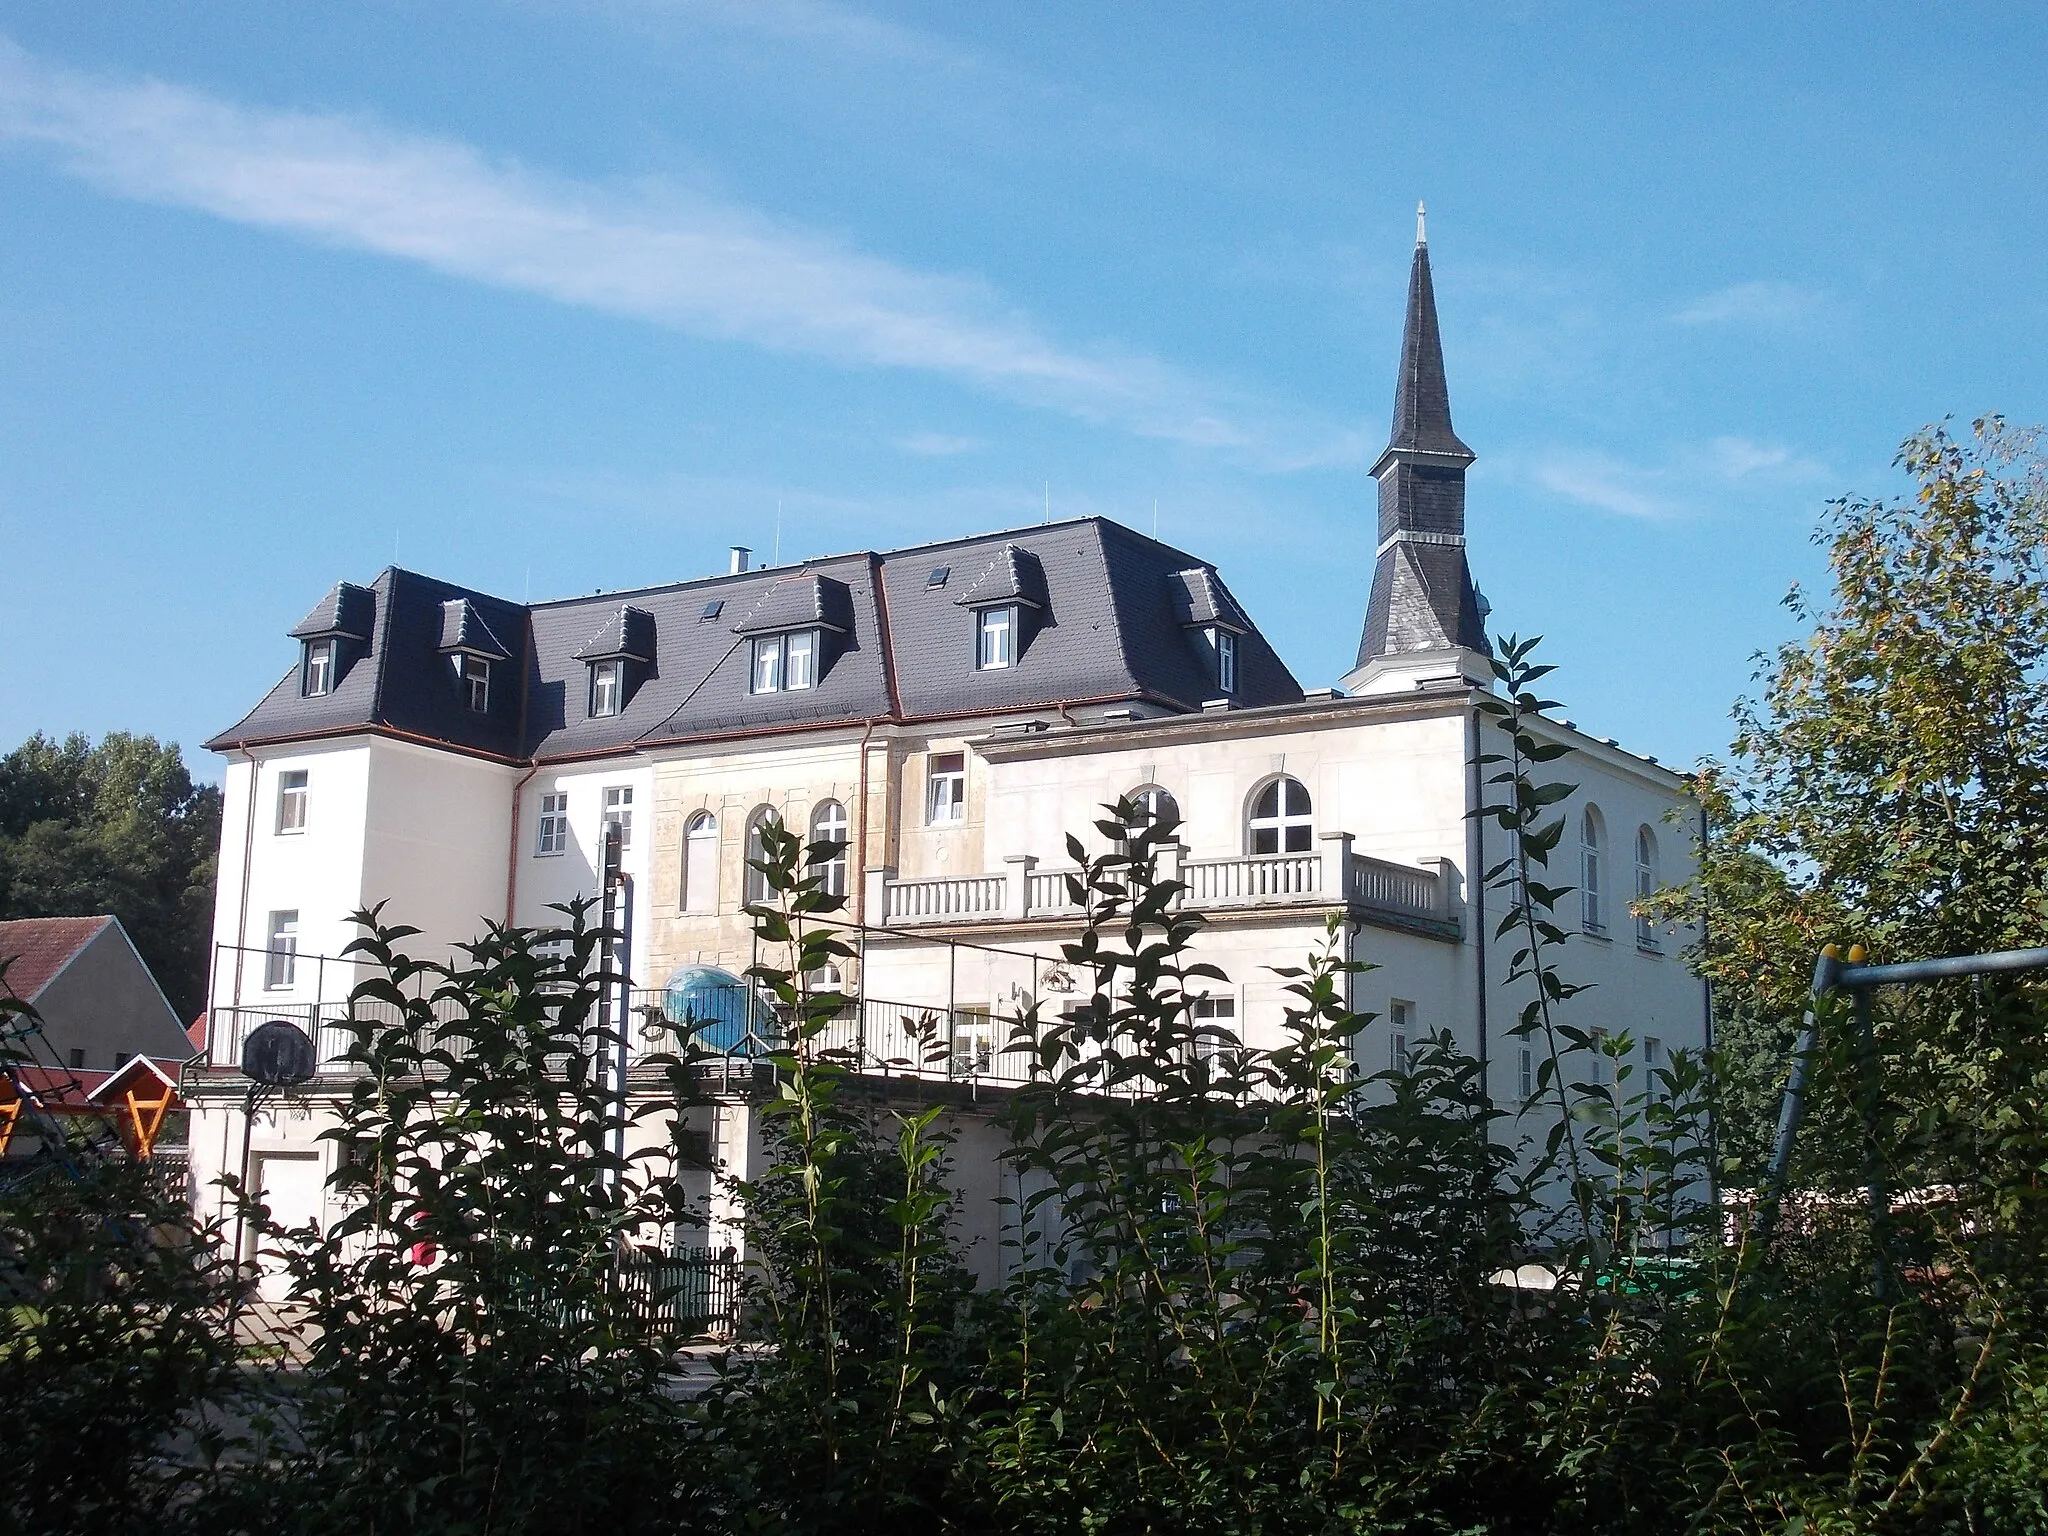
(763, 817)
(700, 863)
(1155, 805)
(1592, 887)
(828, 825)
(1646, 885)
(1280, 820)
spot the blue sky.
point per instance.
(551, 297)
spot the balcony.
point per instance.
(1418, 898)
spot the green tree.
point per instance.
(119, 827)
(1890, 788)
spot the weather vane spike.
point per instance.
(1421, 233)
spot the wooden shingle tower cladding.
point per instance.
(1423, 598)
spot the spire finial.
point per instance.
(1421, 232)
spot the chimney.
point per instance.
(739, 558)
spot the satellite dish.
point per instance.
(277, 1054)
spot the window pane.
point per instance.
(1297, 797)
(700, 864)
(1265, 840)
(1268, 803)
(800, 652)
(998, 631)
(768, 665)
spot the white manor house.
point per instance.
(949, 713)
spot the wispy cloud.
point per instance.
(708, 267)
(1761, 305)
(1682, 482)
(1600, 480)
(936, 445)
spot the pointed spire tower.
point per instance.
(1424, 619)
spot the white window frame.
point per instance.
(1525, 1067)
(607, 689)
(551, 835)
(799, 660)
(1401, 1024)
(995, 645)
(318, 681)
(1592, 892)
(1226, 659)
(829, 824)
(945, 789)
(755, 886)
(281, 950)
(1646, 887)
(1217, 1011)
(618, 811)
(475, 675)
(1287, 828)
(700, 880)
(786, 663)
(292, 795)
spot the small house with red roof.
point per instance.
(99, 1004)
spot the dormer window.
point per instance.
(319, 678)
(1226, 659)
(997, 647)
(605, 689)
(476, 682)
(785, 663)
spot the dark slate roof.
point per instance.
(1199, 597)
(463, 628)
(345, 613)
(628, 635)
(894, 648)
(799, 600)
(1422, 600)
(1422, 398)
(1014, 576)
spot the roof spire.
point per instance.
(1422, 399)
(1421, 230)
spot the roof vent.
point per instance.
(1209, 704)
(938, 576)
(1317, 695)
(740, 553)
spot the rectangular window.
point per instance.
(1526, 1068)
(1653, 1066)
(604, 690)
(319, 669)
(768, 664)
(998, 639)
(554, 825)
(1401, 1016)
(281, 963)
(476, 683)
(974, 1040)
(618, 812)
(946, 789)
(1216, 1019)
(1226, 661)
(291, 800)
(800, 659)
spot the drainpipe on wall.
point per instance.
(1476, 882)
(242, 910)
(512, 852)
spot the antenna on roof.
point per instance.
(1048, 501)
(1155, 517)
(778, 532)
(1421, 231)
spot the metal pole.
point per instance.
(625, 884)
(242, 1205)
(1873, 1153)
(1825, 970)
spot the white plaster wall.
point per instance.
(317, 872)
(545, 880)
(436, 836)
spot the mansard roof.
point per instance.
(464, 629)
(628, 635)
(800, 600)
(345, 613)
(1014, 576)
(1199, 597)
(1107, 630)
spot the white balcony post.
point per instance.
(1172, 865)
(1446, 872)
(1017, 890)
(1337, 864)
(879, 876)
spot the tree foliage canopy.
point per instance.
(116, 827)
